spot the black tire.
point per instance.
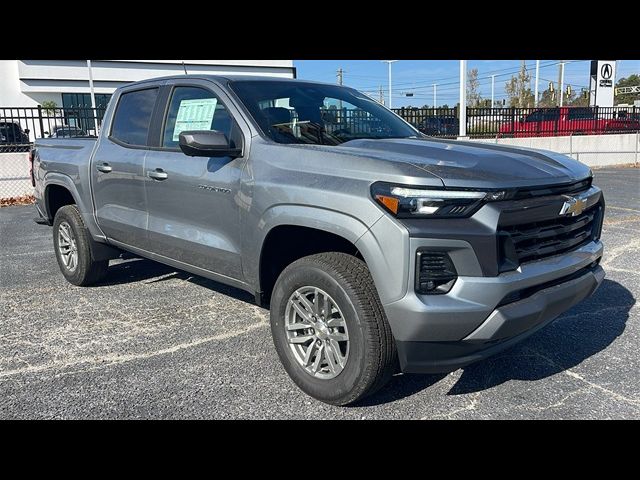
(87, 271)
(372, 357)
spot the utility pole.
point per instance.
(493, 83)
(340, 74)
(463, 98)
(561, 83)
(381, 94)
(435, 95)
(389, 62)
(535, 100)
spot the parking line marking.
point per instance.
(114, 359)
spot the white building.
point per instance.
(27, 83)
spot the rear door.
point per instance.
(194, 202)
(117, 168)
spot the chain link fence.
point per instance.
(15, 180)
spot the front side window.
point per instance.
(301, 112)
(194, 108)
(133, 116)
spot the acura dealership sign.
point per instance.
(603, 80)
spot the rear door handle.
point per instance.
(104, 168)
(158, 174)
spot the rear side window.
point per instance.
(133, 116)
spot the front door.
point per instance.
(117, 170)
(193, 201)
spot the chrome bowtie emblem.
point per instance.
(573, 206)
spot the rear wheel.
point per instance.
(329, 328)
(72, 245)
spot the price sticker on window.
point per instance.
(196, 114)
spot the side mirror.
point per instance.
(207, 143)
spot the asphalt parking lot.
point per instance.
(152, 342)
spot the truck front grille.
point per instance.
(536, 240)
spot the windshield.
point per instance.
(311, 113)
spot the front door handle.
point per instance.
(158, 174)
(104, 168)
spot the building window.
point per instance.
(77, 110)
(83, 100)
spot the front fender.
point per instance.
(383, 247)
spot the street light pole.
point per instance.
(463, 98)
(435, 95)
(93, 97)
(389, 62)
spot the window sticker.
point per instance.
(196, 114)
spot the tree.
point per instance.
(49, 107)
(581, 99)
(473, 95)
(547, 98)
(630, 81)
(519, 89)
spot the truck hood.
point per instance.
(474, 164)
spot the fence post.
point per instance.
(637, 145)
(571, 144)
(40, 122)
(513, 120)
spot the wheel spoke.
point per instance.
(301, 339)
(331, 357)
(298, 326)
(65, 234)
(308, 354)
(335, 347)
(300, 311)
(335, 322)
(318, 361)
(316, 302)
(305, 302)
(339, 337)
(326, 307)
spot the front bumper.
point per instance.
(440, 333)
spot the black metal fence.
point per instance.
(21, 126)
(437, 122)
(551, 122)
(525, 122)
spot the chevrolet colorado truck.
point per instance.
(376, 248)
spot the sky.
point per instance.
(418, 76)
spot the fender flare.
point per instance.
(86, 211)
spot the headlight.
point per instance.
(410, 202)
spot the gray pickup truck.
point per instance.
(376, 248)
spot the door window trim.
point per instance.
(171, 89)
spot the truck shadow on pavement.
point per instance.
(137, 269)
(578, 334)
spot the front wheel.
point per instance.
(330, 330)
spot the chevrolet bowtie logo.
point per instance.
(573, 206)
